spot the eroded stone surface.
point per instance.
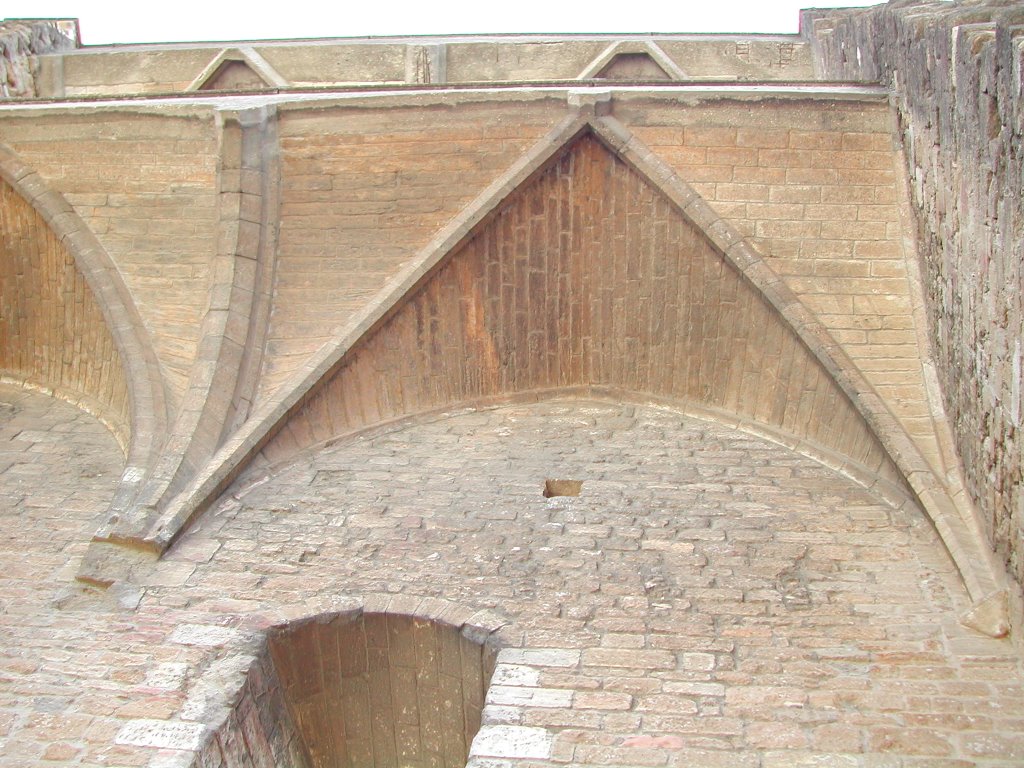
(161, 734)
(21, 40)
(512, 741)
(957, 92)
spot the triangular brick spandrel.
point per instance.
(818, 194)
(585, 276)
(52, 331)
(361, 193)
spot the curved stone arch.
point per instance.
(893, 494)
(951, 516)
(249, 688)
(147, 406)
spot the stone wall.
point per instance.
(956, 73)
(20, 41)
(709, 599)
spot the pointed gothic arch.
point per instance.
(90, 309)
(509, 299)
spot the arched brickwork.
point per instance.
(52, 332)
(76, 305)
(382, 689)
(587, 276)
(374, 680)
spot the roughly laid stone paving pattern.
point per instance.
(710, 599)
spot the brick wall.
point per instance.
(52, 332)
(815, 189)
(362, 191)
(709, 599)
(955, 70)
(146, 186)
(587, 276)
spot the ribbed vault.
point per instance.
(52, 331)
(586, 276)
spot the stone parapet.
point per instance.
(296, 65)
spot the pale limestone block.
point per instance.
(495, 715)
(705, 662)
(515, 674)
(512, 741)
(695, 689)
(162, 734)
(793, 759)
(540, 657)
(529, 697)
(167, 677)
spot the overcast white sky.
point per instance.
(118, 21)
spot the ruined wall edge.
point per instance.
(956, 71)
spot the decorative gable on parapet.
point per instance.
(633, 61)
(238, 69)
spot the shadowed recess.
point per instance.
(234, 75)
(382, 690)
(632, 67)
(553, 488)
(52, 332)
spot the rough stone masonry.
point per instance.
(514, 401)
